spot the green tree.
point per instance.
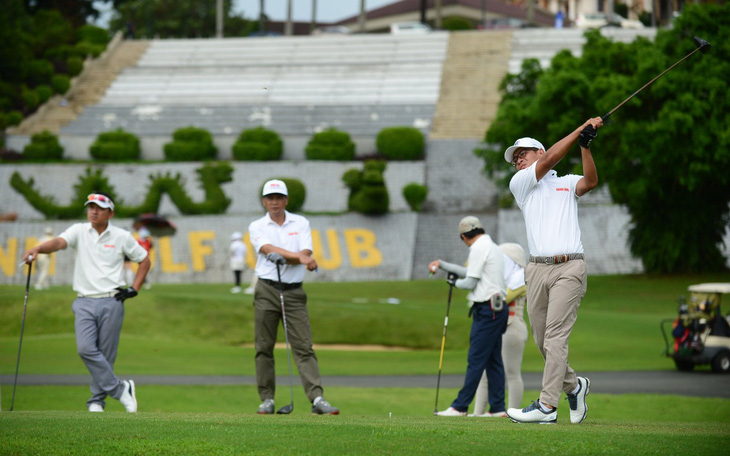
(177, 19)
(664, 155)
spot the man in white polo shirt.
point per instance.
(101, 292)
(556, 274)
(286, 234)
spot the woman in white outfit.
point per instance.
(513, 340)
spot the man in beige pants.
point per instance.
(556, 273)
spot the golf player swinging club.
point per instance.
(451, 280)
(279, 261)
(22, 327)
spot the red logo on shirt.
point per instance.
(562, 189)
(293, 234)
(110, 246)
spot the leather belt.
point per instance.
(556, 259)
(285, 286)
(98, 295)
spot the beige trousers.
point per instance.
(554, 293)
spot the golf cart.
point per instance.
(701, 333)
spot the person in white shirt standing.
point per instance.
(280, 232)
(484, 277)
(101, 291)
(556, 273)
(237, 251)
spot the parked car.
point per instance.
(332, 30)
(409, 28)
(599, 20)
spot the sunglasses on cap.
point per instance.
(95, 197)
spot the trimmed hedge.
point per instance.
(43, 146)
(74, 65)
(454, 23)
(400, 143)
(330, 144)
(191, 144)
(116, 145)
(295, 188)
(258, 144)
(415, 194)
(44, 92)
(368, 193)
(60, 83)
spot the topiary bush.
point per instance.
(295, 188)
(92, 34)
(368, 194)
(330, 144)
(44, 92)
(43, 146)
(60, 83)
(400, 143)
(31, 100)
(116, 145)
(415, 194)
(14, 118)
(191, 144)
(454, 23)
(258, 144)
(74, 65)
(39, 72)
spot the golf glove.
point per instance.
(586, 136)
(276, 258)
(125, 293)
(451, 279)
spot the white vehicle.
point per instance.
(599, 20)
(701, 333)
(409, 28)
(332, 30)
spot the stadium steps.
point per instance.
(475, 64)
(86, 89)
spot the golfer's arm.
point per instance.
(556, 153)
(290, 257)
(142, 270)
(51, 246)
(452, 268)
(589, 181)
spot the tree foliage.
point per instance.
(664, 155)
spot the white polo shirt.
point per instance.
(487, 266)
(293, 235)
(100, 258)
(550, 209)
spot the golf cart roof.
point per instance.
(710, 288)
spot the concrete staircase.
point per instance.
(86, 89)
(476, 63)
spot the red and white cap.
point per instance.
(274, 186)
(521, 143)
(102, 201)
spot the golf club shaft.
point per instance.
(443, 344)
(286, 333)
(22, 328)
(605, 117)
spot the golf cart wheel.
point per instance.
(721, 362)
(684, 366)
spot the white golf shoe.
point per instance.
(129, 396)
(235, 290)
(266, 407)
(533, 414)
(451, 411)
(96, 407)
(577, 401)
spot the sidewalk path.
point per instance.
(698, 384)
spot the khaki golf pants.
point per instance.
(554, 293)
(268, 315)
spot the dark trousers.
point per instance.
(485, 353)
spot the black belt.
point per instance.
(285, 286)
(479, 303)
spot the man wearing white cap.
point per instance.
(101, 291)
(556, 273)
(237, 252)
(281, 234)
(484, 278)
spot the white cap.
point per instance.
(144, 232)
(275, 186)
(522, 142)
(469, 223)
(236, 236)
(515, 252)
(102, 201)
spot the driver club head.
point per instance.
(285, 410)
(701, 44)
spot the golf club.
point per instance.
(443, 343)
(701, 44)
(22, 327)
(287, 409)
